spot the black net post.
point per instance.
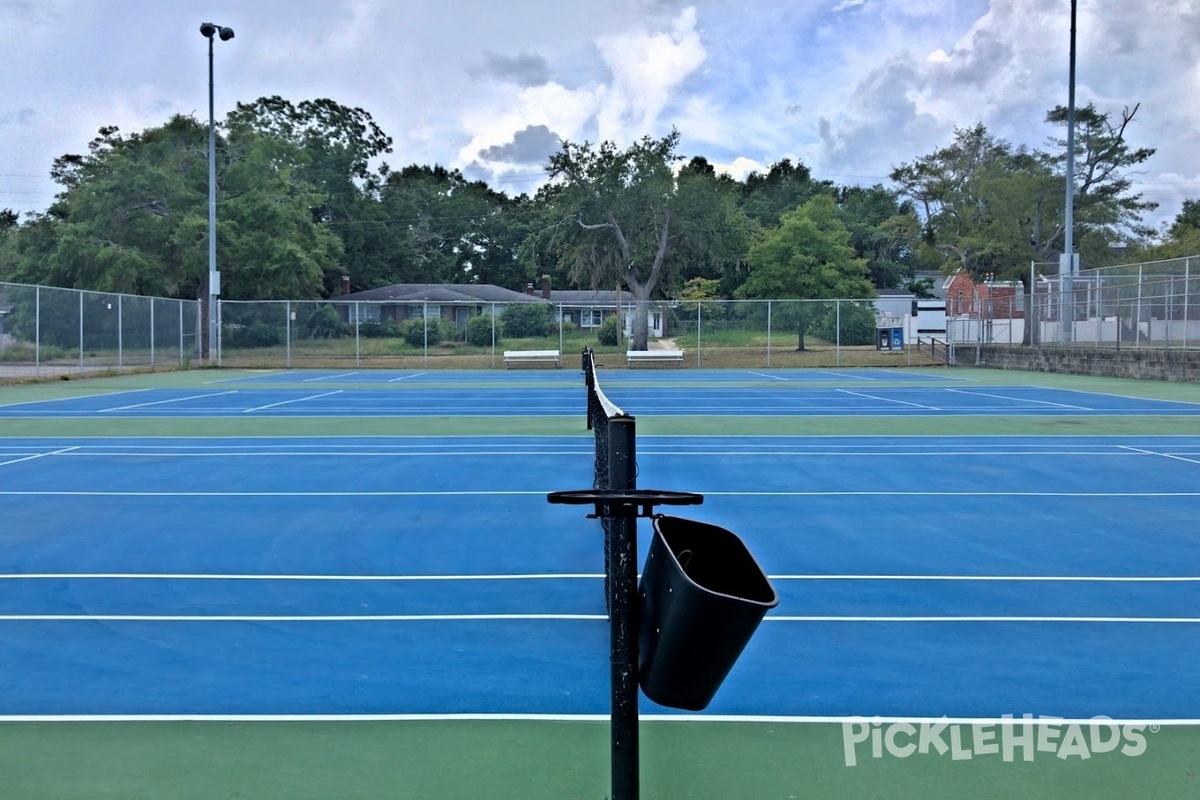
(623, 625)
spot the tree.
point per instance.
(133, 217)
(1105, 205)
(809, 256)
(618, 209)
(785, 187)
(989, 207)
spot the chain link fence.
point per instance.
(51, 331)
(1152, 305)
(710, 333)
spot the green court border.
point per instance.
(555, 758)
(550, 759)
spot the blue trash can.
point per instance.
(702, 597)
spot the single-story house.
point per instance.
(457, 303)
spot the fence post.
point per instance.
(698, 305)
(81, 331)
(287, 327)
(425, 320)
(120, 332)
(1137, 331)
(357, 325)
(1187, 297)
(151, 333)
(837, 344)
(37, 330)
(768, 333)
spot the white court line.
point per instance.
(501, 717)
(544, 492)
(1161, 455)
(566, 618)
(116, 452)
(171, 400)
(38, 455)
(887, 399)
(847, 375)
(997, 578)
(151, 576)
(406, 377)
(772, 377)
(1019, 399)
(1122, 396)
(237, 577)
(298, 618)
(329, 377)
(75, 397)
(295, 400)
(1086, 620)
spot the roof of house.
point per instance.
(583, 297)
(442, 293)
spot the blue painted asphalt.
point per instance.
(541, 400)
(958, 506)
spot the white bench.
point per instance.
(651, 356)
(512, 357)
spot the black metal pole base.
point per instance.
(622, 508)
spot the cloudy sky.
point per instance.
(851, 88)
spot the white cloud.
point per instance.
(647, 67)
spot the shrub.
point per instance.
(323, 322)
(379, 330)
(479, 330)
(418, 334)
(526, 320)
(260, 334)
(857, 325)
(607, 333)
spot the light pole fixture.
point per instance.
(208, 30)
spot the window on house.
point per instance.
(591, 318)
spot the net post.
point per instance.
(622, 594)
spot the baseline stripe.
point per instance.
(150, 576)
(519, 493)
(560, 617)
(484, 717)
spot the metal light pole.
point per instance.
(208, 30)
(1068, 263)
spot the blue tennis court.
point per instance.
(959, 576)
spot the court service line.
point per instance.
(38, 455)
(186, 576)
(1006, 719)
(242, 577)
(1162, 455)
(772, 377)
(567, 618)
(169, 400)
(293, 400)
(848, 375)
(887, 399)
(298, 618)
(543, 492)
(406, 377)
(74, 397)
(329, 377)
(1019, 399)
